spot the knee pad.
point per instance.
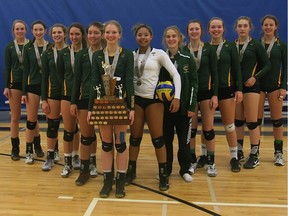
(107, 147)
(135, 141)
(158, 142)
(68, 136)
(76, 129)
(120, 147)
(259, 121)
(252, 125)
(229, 128)
(209, 135)
(277, 123)
(239, 123)
(53, 127)
(86, 140)
(31, 125)
(193, 132)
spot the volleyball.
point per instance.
(165, 91)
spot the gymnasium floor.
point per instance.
(26, 190)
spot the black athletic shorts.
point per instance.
(144, 102)
(255, 88)
(83, 104)
(226, 93)
(17, 86)
(34, 89)
(204, 95)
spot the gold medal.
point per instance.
(139, 83)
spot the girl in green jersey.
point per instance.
(32, 88)
(13, 75)
(274, 84)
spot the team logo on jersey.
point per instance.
(185, 69)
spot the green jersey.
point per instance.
(123, 72)
(66, 70)
(82, 76)
(32, 70)
(51, 86)
(207, 72)
(255, 62)
(277, 76)
(13, 69)
(229, 71)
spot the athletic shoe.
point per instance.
(38, 150)
(93, 171)
(192, 168)
(66, 171)
(15, 154)
(187, 177)
(279, 159)
(130, 176)
(211, 170)
(164, 183)
(202, 161)
(235, 165)
(29, 158)
(56, 156)
(252, 162)
(48, 164)
(240, 156)
(76, 162)
(82, 179)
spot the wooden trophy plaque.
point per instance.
(109, 110)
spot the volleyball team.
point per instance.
(237, 77)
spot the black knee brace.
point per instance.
(239, 123)
(53, 127)
(135, 141)
(259, 121)
(158, 142)
(86, 140)
(277, 123)
(120, 147)
(252, 125)
(31, 125)
(209, 135)
(193, 132)
(107, 147)
(68, 136)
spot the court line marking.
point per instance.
(91, 207)
(66, 197)
(212, 194)
(198, 203)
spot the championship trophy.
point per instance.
(109, 109)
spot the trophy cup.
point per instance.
(109, 109)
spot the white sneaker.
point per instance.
(66, 171)
(93, 171)
(211, 170)
(279, 159)
(187, 177)
(48, 164)
(56, 156)
(192, 168)
(29, 158)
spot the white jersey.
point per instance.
(149, 79)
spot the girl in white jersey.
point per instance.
(148, 62)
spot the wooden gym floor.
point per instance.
(26, 190)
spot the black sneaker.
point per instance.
(235, 166)
(202, 161)
(15, 154)
(164, 182)
(130, 176)
(82, 179)
(240, 155)
(252, 162)
(39, 152)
